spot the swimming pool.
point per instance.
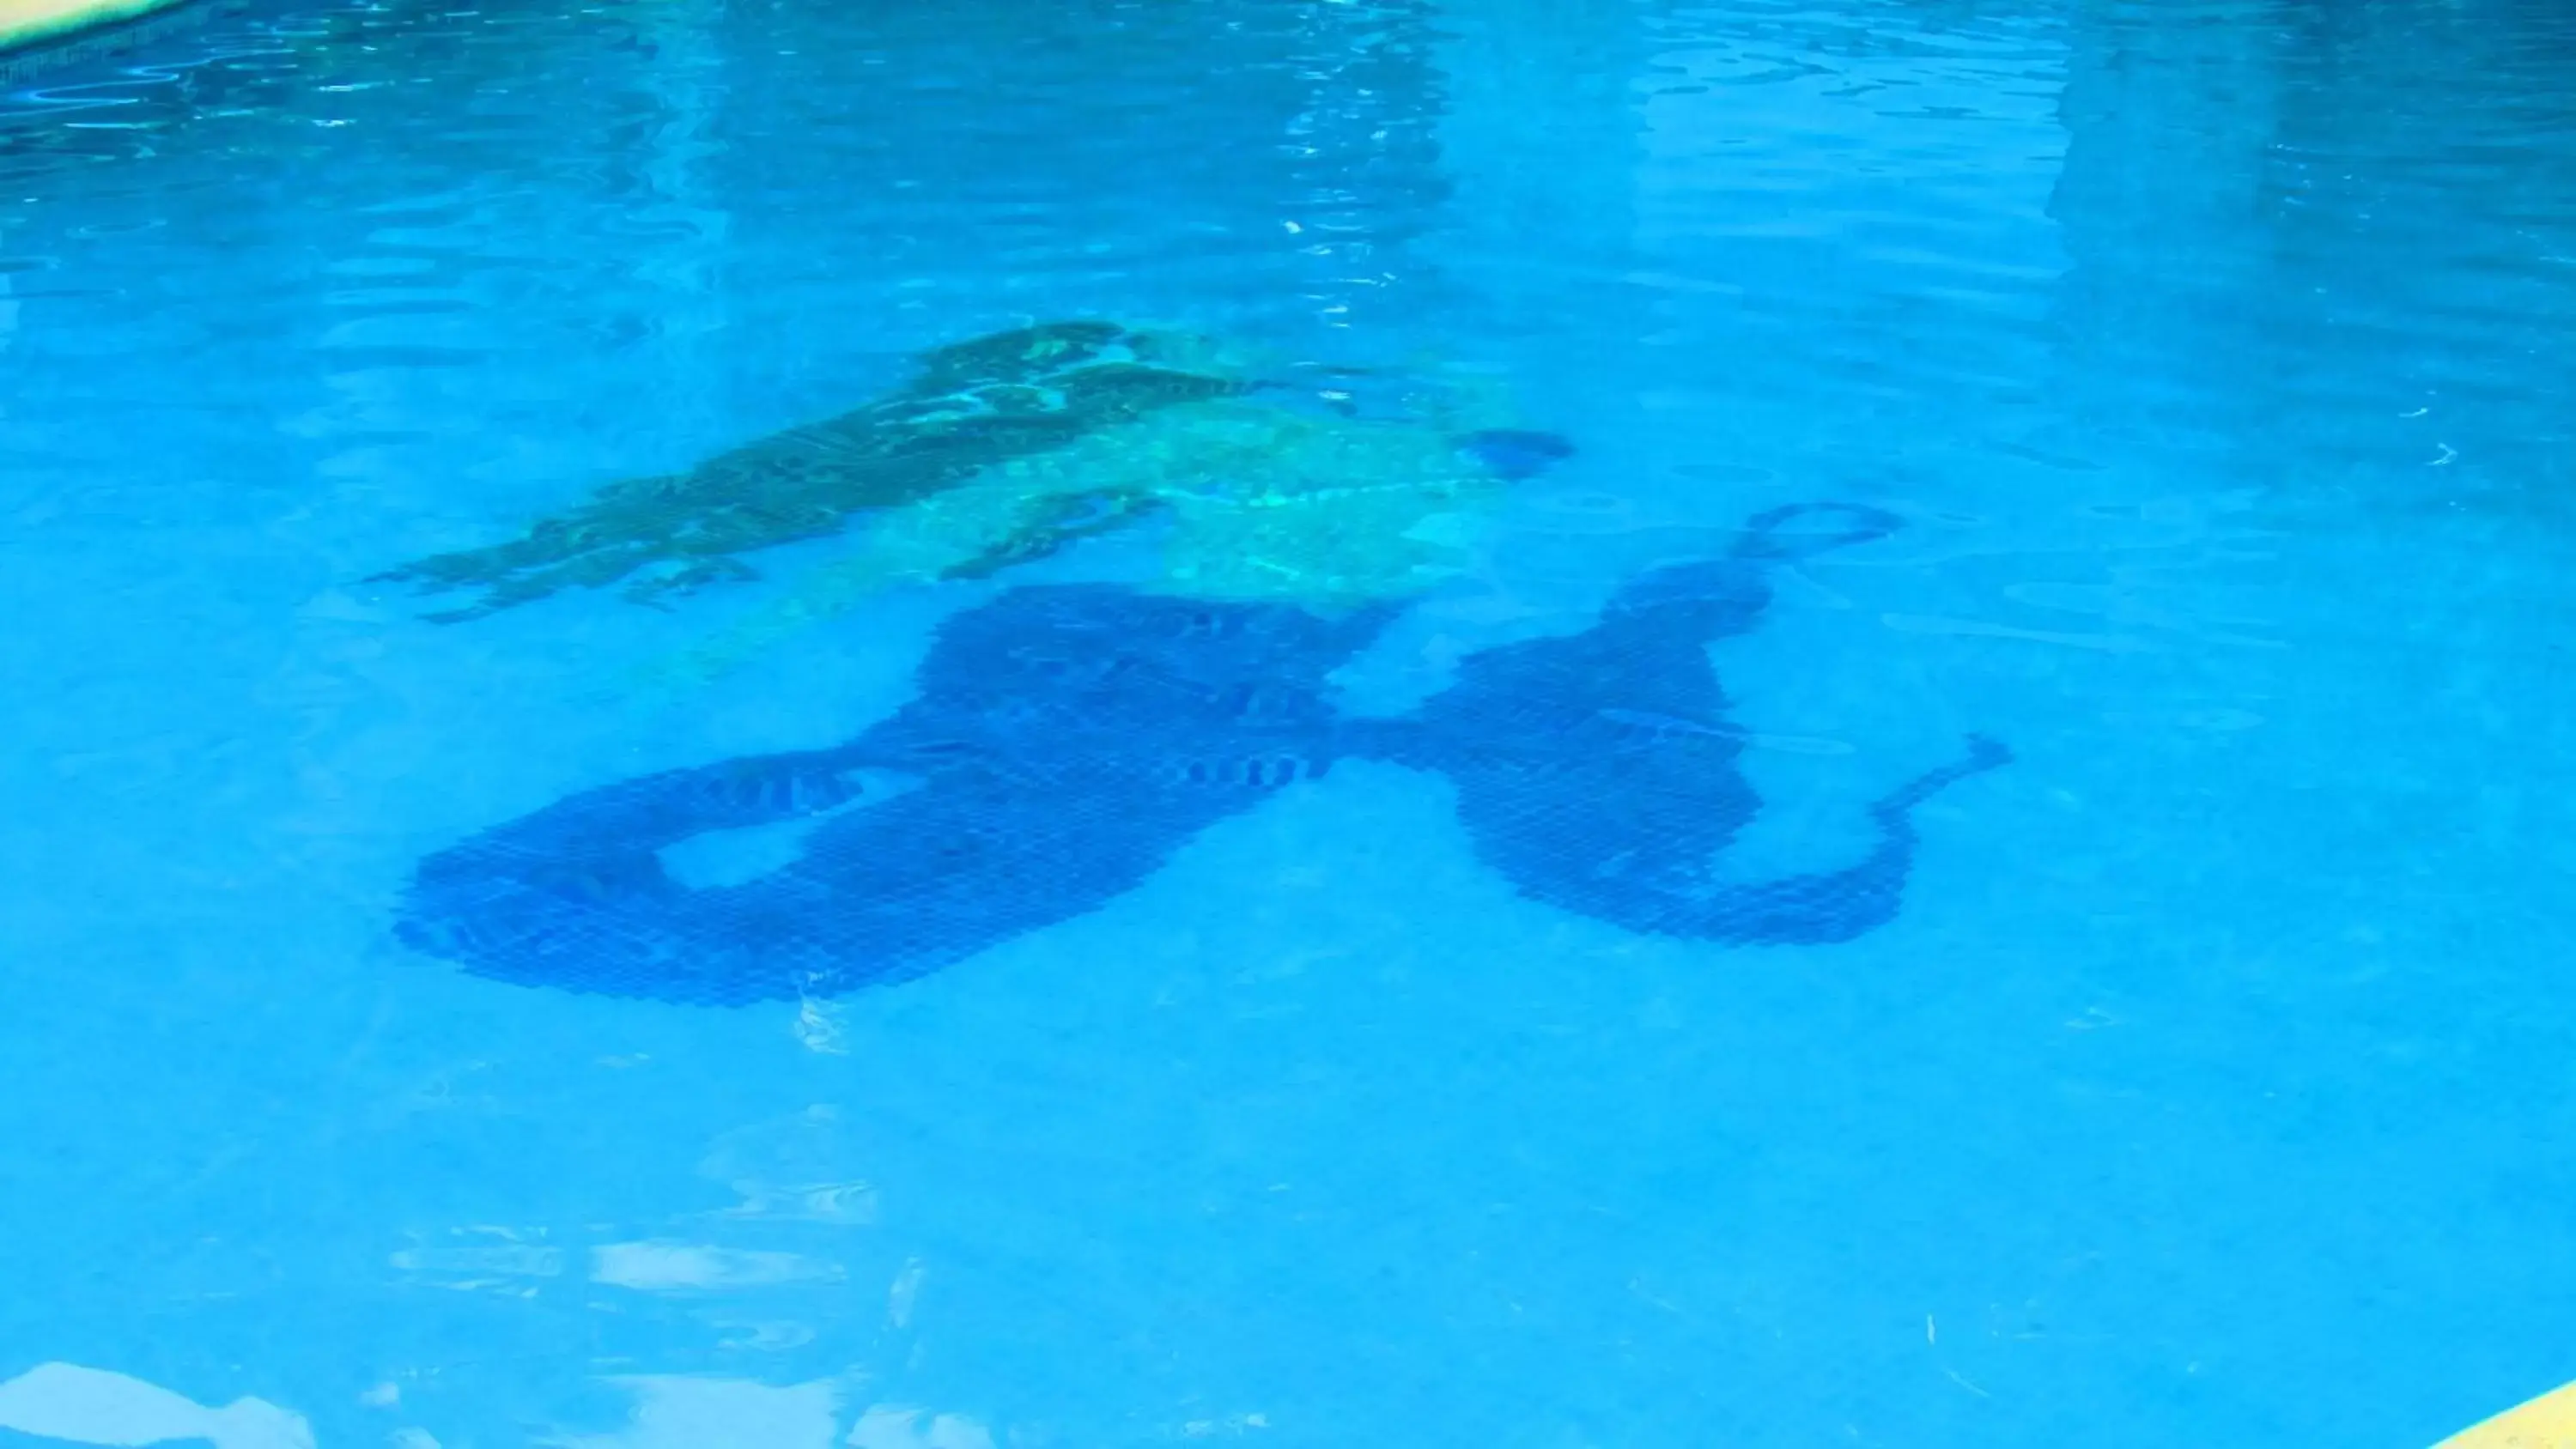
(1253, 926)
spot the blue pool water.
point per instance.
(2199, 1077)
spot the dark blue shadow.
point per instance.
(1066, 741)
(1598, 772)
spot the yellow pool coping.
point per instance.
(2547, 1422)
(26, 22)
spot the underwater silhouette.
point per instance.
(971, 407)
(1257, 502)
(1005, 449)
(1066, 740)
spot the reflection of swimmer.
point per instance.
(972, 407)
(1066, 741)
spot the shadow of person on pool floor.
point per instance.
(1066, 740)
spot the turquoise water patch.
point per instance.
(2195, 1089)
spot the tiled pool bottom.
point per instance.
(707, 1019)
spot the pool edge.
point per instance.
(2547, 1422)
(34, 31)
